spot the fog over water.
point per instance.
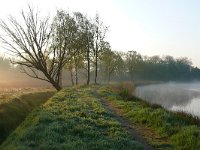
(173, 96)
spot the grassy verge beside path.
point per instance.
(165, 129)
(72, 119)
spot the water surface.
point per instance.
(173, 96)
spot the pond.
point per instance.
(173, 96)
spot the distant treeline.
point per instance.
(121, 66)
(133, 66)
(166, 69)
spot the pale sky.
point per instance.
(150, 27)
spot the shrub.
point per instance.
(124, 89)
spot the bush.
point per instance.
(124, 89)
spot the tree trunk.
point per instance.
(96, 69)
(71, 74)
(54, 83)
(108, 77)
(96, 57)
(61, 76)
(88, 62)
(57, 86)
(76, 73)
(88, 71)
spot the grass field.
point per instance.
(167, 130)
(72, 119)
(9, 94)
(75, 119)
(15, 104)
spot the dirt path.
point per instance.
(137, 136)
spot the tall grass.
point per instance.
(14, 108)
(124, 89)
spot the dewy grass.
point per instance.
(13, 111)
(183, 132)
(72, 119)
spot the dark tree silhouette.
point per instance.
(30, 42)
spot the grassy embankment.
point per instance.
(72, 119)
(177, 130)
(15, 104)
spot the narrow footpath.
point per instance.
(136, 136)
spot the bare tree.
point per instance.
(30, 43)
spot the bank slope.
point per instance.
(163, 129)
(71, 119)
(15, 107)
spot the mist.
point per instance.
(175, 96)
(12, 77)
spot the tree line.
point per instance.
(43, 47)
(40, 45)
(135, 67)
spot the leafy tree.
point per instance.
(99, 32)
(110, 63)
(64, 38)
(86, 39)
(134, 62)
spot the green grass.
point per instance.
(9, 94)
(183, 131)
(15, 106)
(72, 119)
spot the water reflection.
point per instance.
(173, 96)
(192, 107)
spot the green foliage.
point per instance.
(111, 63)
(13, 112)
(72, 119)
(182, 130)
(161, 69)
(124, 93)
(187, 138)
(135, 67)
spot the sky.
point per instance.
(150, 27)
